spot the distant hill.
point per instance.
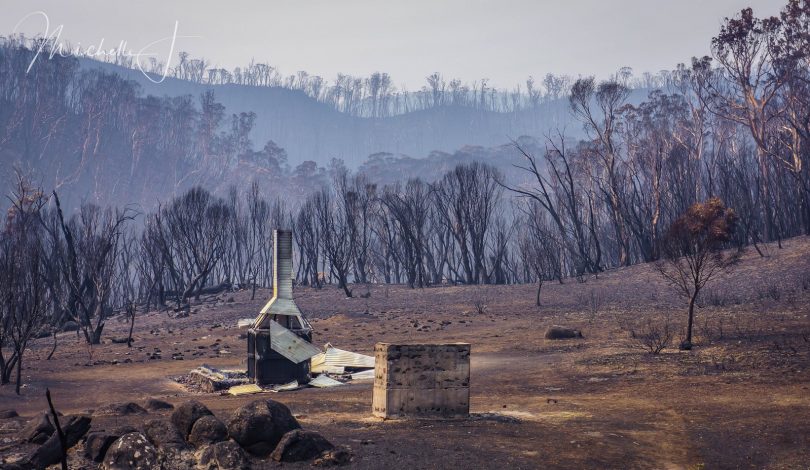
(96, 137)
(310, 130)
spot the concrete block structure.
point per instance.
(421, 380)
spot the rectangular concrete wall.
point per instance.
(421, 380)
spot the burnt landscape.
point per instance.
(738, 401)
(212, 261)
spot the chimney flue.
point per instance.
(282, 264)
(281, 307)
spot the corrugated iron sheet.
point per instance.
(323, 381)
(290, 345)
(324, 369)
(364, 375)
(244, 389)
(288, 387)
(335, 357)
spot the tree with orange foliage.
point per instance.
(693, 252)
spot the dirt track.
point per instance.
(740, 400)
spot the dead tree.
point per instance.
(538, 247)
(559, 192)
(23, 288)
(337, 237)
(89, 244)
(258, 233)
(358, 195)
(308, 238)
(409, 208)
(388, 247)
(468, 197)
(601, 125)
(192, 235)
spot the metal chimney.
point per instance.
(281, 308)
(279, 344)
(282, 264)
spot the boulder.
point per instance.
(259, 425)
(6, 414)
(163, 435)
(70, 326)
(153, 404)
(187, 414)
(38, 430)
(50, 452)
(225, 455)
(97, 443)
(340, 455)
(120, 409)
(171, 446)
(207, 430)
(131, 452)
(299, 445)
(561, 332)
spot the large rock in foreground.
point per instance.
(207, 430)
(97, 444)
(131, 452)
(38, 430)
(187, 414)
(299, 445)
(259, 426)
(226, 455)
(164, 435)
(50, 453)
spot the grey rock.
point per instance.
(38, 430)
(187, 414)
(561, 332)
(131, 452)
(225, 455)
(97, 443)
(164, 435)
(259, 425)
(207, 430)
(300, 445)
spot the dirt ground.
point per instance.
(740, 399)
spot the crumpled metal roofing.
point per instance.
(335, 357)
(324, 381)
(289, 344)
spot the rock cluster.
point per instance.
(192, 438)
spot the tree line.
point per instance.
(374, 96)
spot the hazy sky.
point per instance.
(502, 40)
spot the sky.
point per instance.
(503, 41)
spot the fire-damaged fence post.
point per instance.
(279, 344)
(421, 380)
